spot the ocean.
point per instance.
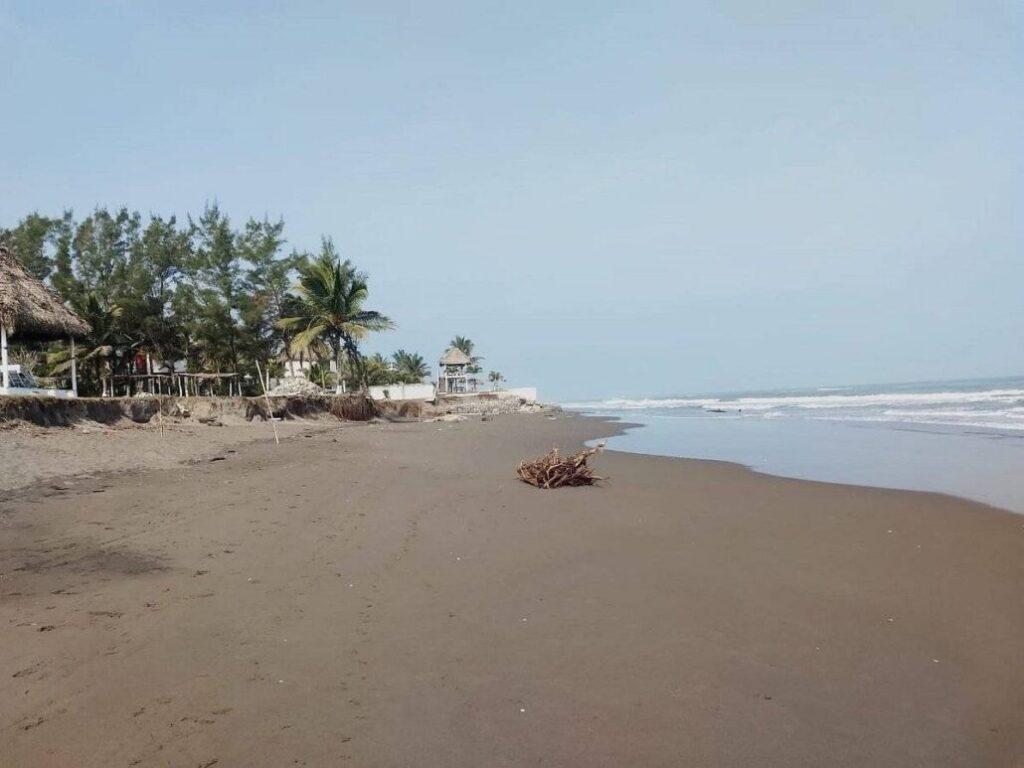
(964, 438)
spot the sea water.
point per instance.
(964, 438)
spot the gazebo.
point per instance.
(31, 311)
(454, 375)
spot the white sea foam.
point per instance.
(996, 408)
(987, 422)
(810, 401)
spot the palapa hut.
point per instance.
(31, 311)
(454, 376)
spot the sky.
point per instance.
(610, 199)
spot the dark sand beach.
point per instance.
(390, 595)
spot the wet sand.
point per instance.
(389, 595)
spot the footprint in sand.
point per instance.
(27, 671)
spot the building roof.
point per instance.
(31, 310)
(455, 356)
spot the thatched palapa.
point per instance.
(455, 356)
(29, 309)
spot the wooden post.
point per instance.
(74, 369)
(3, 356)
(270, 410)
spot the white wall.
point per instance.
(403, 392)
(62, 393)
(529, 394)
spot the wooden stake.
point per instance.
(270, 410)
(74, 369)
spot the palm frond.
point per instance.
(308, 337)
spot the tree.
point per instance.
(410, 367)
(378, 371)
(98, 347)
(264, 289)
(319, 374)
(217, 275)
(495, 377)
(159, 261)
(31, 239)
(102, 247)
(332, 294)
(200, 290)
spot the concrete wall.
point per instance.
(403, 392)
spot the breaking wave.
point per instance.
(969, 405)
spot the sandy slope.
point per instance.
(390, 596)
(30, 454)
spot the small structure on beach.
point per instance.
(165, 383)
(454, 376)
(31, 311)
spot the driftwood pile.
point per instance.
(556, 471)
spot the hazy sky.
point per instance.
(610, 199)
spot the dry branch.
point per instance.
(556, 471)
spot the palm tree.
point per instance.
(463, 344)
(331, 296)
(379, 371)
(410, 366)
(466, 345)
(495, 377)
(98, 346)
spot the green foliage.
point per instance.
(95, 355)
(321, 374)
(330, 310)
(410, 367)
(219, 297)
(32, 239)
(198, 290)
(466, 345)
(378, 371)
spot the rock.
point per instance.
(296, 386)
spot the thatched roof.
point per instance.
(30, 310)
(455, 356)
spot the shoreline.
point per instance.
(200, 443)
(938, 495)
(189, 444)
(978, 467)
(391, 595)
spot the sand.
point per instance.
(389, 595)
(33, 455)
